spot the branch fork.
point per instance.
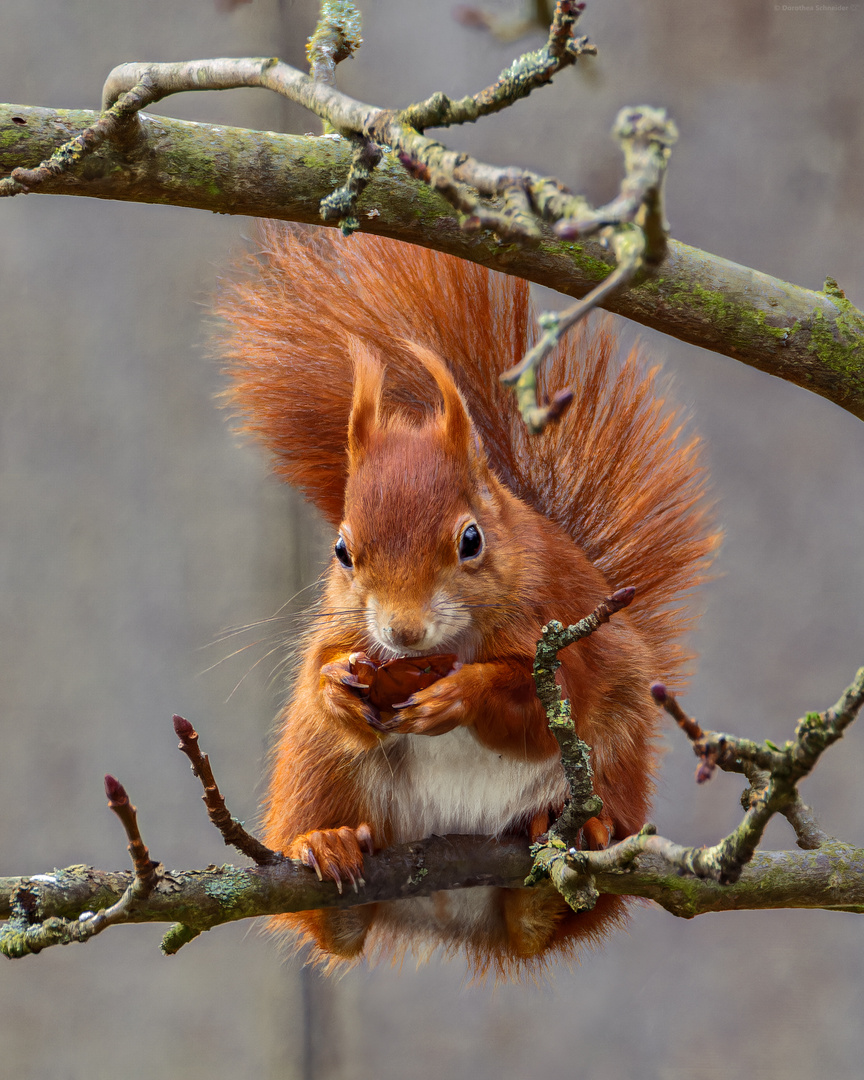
(515, 204)
(773, 772)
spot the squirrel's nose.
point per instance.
(405, 633)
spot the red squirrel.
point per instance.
(369, 369)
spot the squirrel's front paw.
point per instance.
(433, 711)
(334, 853)
(347, 696)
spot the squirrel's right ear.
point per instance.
(461, 437)
(365, 417)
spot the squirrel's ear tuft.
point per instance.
(365, 418)
(458, 429)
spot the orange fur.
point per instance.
(394, 352)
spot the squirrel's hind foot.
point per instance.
(335, 853)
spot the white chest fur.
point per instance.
(452, 784)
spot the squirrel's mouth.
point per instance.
(386, 654)
(382, 653)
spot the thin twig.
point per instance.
(717, 750)
(707, 761)
(628, 243)
(646, 136)
(232, 830)
(335, 38)
(145, 869)
(342, 203)
(530, 71)
(27, 933)
(583, 802)
(112, 126)
(809, 833)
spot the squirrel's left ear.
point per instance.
(365, 418)
(455, 421)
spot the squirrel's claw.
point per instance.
(336, 854)
(310, 860)
(348, 696)
(406, 704)
(434, 710)
(353, 683)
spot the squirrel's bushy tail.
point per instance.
(616, 472)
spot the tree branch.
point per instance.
(812, 339)
(198, 900)
(831, 878)
(73, 905)
(774, 774)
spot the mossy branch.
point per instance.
(831, 878)
(812, 339)
(74, 904)
(774, 773)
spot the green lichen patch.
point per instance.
(840, 345)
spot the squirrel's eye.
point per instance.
(470, 542)
(343, 554)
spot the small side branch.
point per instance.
(336, 37)
(341, 205)
(145, 869)
(730, 754)
(633, 226)
(628, 245)
(232, 830)
(583, 803)
(28, 931)
(774, 773)
(112, 126)
(533, 70)
(646, 136)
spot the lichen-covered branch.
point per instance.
(72, 905)
(29, 931)
(526, 199)
(775, 773)
(336, 37)
(524, 75)
(198, 900)
(831, 878)
(583, 802)
(646, 136)
(629, 246)
(812, 339)
(450, 172)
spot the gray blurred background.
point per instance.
(134, 530)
